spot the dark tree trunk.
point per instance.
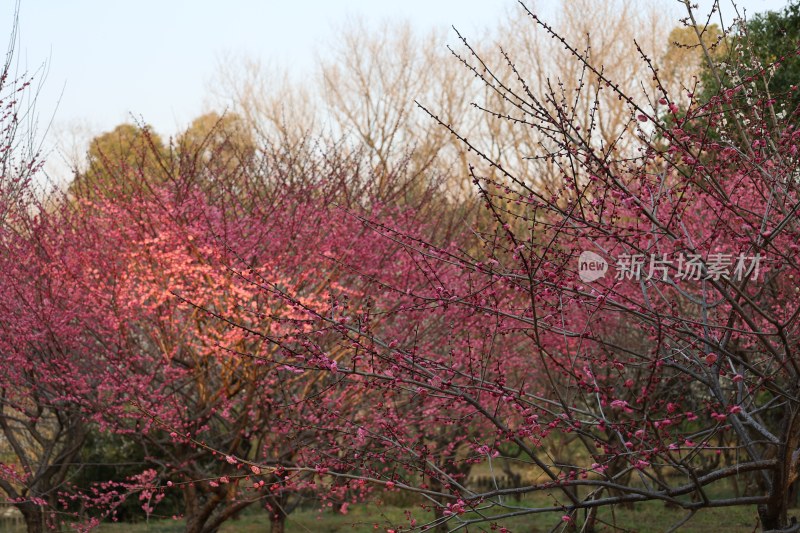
(278, 511)
(438, 509)
(34, 516)
(774, 514)
(197, 520)
(277, 523)
(590, 525)
(195, 525)
(438, 513)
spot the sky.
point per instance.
(157, 58)
(154, 60)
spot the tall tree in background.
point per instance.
(775, 38)
(221, 146)
(368, 88)
(128, 150)
(767, 43)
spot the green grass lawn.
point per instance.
(362, 518)
(643, 518)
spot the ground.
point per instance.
(644, 518)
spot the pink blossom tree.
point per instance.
(626, 333)
(218, 362)
(647, 305)
(654, 371)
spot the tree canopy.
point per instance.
(321, 321)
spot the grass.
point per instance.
(648, 517)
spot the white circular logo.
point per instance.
(591, 266)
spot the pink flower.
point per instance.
(254, 469)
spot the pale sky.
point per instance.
(155, 59)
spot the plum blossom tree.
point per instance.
(687, 349)
(41, 427)
(217, 362)
(624, 333)
(663, 375)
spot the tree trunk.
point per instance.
(438, 508)
(590, 524)
(773, 514)
(438, 513)
(192, 525)
(195, 526)
(198, 524)
(35, 519)
(277, 523)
